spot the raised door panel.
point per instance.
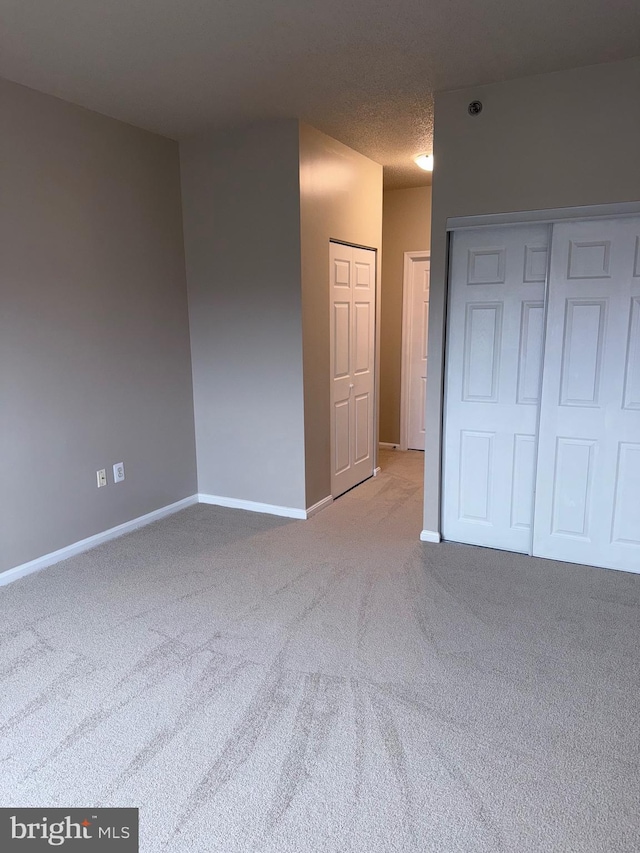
(522, 485)
(535, 263)
(476, 470)
(363, 351)
(632, 358)
(589, 259)
(423, 328)
(363, 274)
(361, 432)
(341, 339)
(482, 349)
(626, 508)
(486, 265)
(573, 486)
(342, 270)
(342, 436)
(584, 327)
(530, 353)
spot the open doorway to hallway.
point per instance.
(406, 233)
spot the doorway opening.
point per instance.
(406, 239)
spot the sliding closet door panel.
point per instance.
(494, 358)
(588, 480)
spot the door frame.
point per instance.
(407, 282)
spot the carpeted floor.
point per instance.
(258, 684)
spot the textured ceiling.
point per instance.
(362, 70)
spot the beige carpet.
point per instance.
(256, 684)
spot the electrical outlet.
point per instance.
(118, 472)
(102, 477)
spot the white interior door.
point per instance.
(352, 337)
(494, 354)
(417, 324)
(588, 484)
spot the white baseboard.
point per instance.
(114, 532)
(253, 506)
(429, 536)
(92, 541)
(376, 471)
(267, 509)
(312, 510)
(387, 445)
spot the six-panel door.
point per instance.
(494, 352)
(588, 486)
(352, 342)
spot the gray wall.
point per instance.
(406, 227)
(94, 338)
(242, 239)
(340, 199)
(555, 140)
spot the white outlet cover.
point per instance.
(118, 472)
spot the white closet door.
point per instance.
(494, 353)
(352, 360)
(588, 484)
(418, 323)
